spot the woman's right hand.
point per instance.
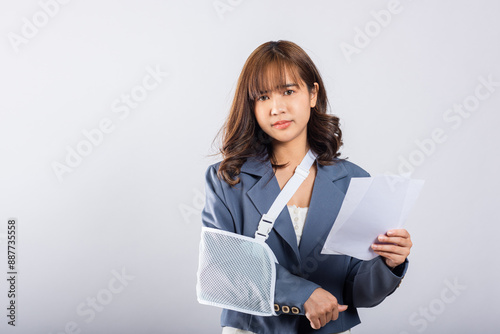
(321, 308)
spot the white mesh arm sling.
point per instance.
(238, 272)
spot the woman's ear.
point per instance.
(314, 95)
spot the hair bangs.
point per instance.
(270, 75)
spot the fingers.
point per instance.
(398, 237)
(315, 324)
(401, 232)
(337, 310)
(391, 259)
(318, 321)
(321, 308)
(321, 320)
(394, 247)
(325, 318)
(404, 242)
(391, 249)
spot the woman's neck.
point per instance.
(290, 152)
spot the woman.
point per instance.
(279, 112)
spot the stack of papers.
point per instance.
(372, 206)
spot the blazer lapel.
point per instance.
(262, 195)
(325, 204)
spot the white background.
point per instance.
(133, 203)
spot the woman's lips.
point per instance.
(282, 124)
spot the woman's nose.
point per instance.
(277, 105)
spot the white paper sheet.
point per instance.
(372, 206)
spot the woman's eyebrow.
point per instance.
(293, 84)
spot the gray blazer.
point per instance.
(301, 269)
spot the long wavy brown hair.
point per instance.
(264, 70)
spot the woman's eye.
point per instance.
(289, 92)
(262, 98)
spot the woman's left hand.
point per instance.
(394, 246)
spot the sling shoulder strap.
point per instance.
(301, 172)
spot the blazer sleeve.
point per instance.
(215, 213)
(369, 282)
(291, 291)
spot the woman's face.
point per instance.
(284, 113)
